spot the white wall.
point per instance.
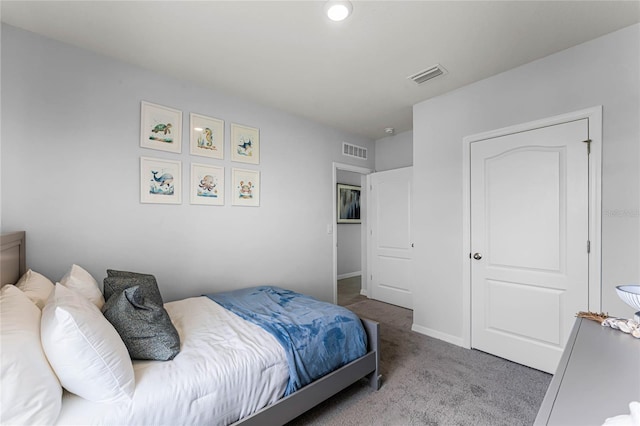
(603, 72)
(350, 234)
(70, 178)
(394, 152)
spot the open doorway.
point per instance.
(349, 239)
(349, 231)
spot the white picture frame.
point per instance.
(160, 127)
(160, 181)
(245, 187)
(206, 135)
(348, 203)
(206, 185)
(245, 144)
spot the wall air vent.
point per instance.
(354, 151)
(428, 74)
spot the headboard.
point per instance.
(13, 261)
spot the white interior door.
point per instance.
(390, 236)
(529, 242)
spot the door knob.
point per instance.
(477, 256)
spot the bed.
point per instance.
(159, 391)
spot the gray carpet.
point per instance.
(430, 382)
(349, 291)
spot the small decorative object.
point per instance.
(630, 294)
(245, 144)
(160, 127)
(628, 326)
(599, 317)
(348, 204)
(207, 136)
(160, 181)
(207, 185)
(245, 187)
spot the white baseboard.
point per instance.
(458, 341)
(349, 275)
(364, 292)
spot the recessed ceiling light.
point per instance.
(338, 10)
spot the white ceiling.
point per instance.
(350, 75)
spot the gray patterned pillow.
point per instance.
(144, 326)
(117, 281)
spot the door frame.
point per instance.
(594, 116)
(333, 228)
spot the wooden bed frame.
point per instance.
(13, 266)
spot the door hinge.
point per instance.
(588, 142)
(588, 246)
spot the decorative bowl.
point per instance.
(630, 294)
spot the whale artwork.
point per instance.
(162, 184)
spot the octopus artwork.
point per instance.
(207, 183)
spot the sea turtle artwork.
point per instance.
(205, 140)
(162, 184)
(160, 131)
(164, 128)
(245, 147)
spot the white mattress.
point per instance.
(227, 368)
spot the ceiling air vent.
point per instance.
(428, 74)
(354, 151)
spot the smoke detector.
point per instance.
(389, 130)
(428, 74)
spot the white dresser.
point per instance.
(598, 375)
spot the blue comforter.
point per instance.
(318, 337)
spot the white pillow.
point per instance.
(81, 281)
(36, 286)
(31, 393)
(84, 349)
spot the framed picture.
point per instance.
(245, 187)
(206, 136)
(348, 204)
(160, 127)
(207, 185)
(160, 181)
(245, 144)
